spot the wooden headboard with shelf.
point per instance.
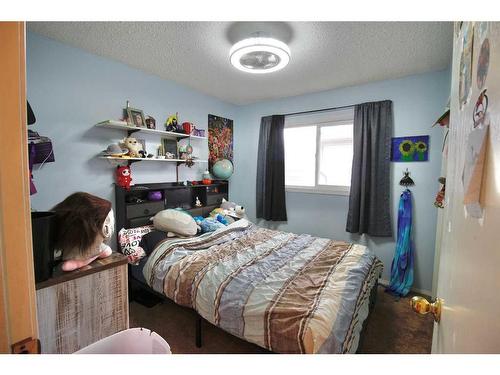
(133, 209)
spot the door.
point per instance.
(469, 266)
(18, 324)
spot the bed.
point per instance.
(285, 292)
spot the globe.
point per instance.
(223, 169)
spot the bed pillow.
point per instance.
(130, 239)
(151, 240)
(179, 222)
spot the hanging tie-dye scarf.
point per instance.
(402, 264)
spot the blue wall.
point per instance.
(71, 90)
(418, 100)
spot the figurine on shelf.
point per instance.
(439, 202)
(187, 127)
(134, 147)
(197, 203)
(124, 177)
(183, 152)
(172, 123)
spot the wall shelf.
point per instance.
(133, 129)
(132, 160)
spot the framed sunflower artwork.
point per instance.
(414, 148)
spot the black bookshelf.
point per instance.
(133, 208)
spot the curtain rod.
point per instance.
(319, 110)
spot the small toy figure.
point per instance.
(197, 203)
(124, 177)
(172, 122)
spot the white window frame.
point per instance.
(321, 119)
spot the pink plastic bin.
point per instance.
(129, 341)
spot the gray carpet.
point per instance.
(392, 328)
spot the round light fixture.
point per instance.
(259, 55)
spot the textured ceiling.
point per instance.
(325, 55)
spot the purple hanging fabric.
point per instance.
(31, 159)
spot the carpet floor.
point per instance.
(392, 328)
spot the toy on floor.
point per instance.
(83, 223)
(124, 177)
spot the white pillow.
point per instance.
(178, 222)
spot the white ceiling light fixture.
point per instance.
(259, 55)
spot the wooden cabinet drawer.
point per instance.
(144, 209)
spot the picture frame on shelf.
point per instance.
(135, 117)
(150, 122)
(169, 147)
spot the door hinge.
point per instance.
(26, 346)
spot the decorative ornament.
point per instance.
(406, 180)
(439, 202)
(479, 114)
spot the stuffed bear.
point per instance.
(83, 222)
(134, 147)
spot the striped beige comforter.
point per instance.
(288, 293)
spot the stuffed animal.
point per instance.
(134, 147)
(240, 211)
(124, 177)
(225, 205)
(83, 222)
(233, 209)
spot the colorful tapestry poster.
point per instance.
(220, 139)
(414, 148)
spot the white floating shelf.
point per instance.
(151, 159)
(163, 133)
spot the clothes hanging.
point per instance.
(402, 264)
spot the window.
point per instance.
(318, 152)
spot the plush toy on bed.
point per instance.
(83, 222)
(233, 208)
(210, 224)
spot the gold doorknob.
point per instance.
(422, 306)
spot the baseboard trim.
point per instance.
(415, 290)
